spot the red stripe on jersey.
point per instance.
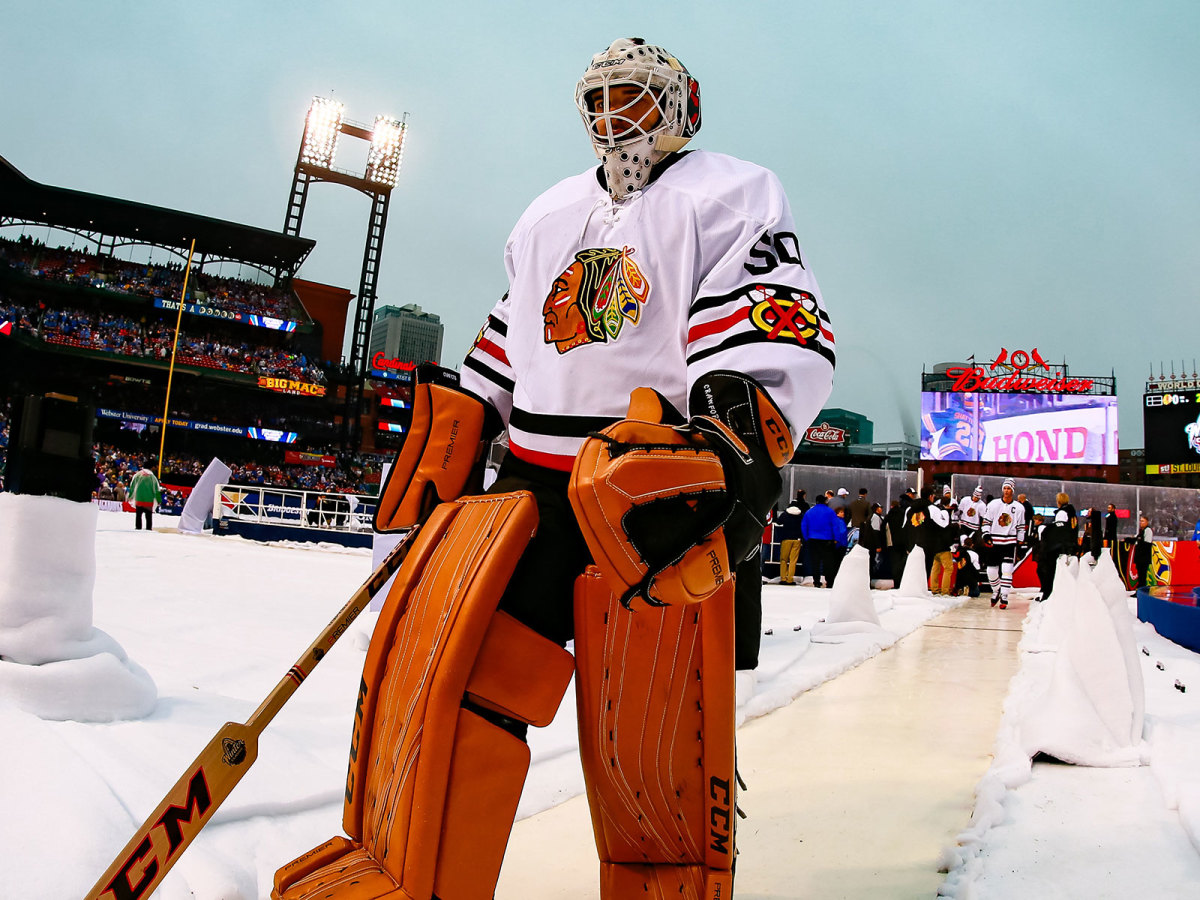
(538, 458)
(492, 350)
(707, 328)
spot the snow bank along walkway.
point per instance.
(854, 788)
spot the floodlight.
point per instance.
(321, 132)
(387, 149)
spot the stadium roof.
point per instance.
(21, 198)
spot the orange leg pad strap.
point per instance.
(655, 692)
(658, 882)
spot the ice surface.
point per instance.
(218, 621)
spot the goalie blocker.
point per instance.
(443, 454)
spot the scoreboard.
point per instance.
(1172, 426)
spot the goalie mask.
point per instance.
(639, 104)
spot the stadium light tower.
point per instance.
(318, 147)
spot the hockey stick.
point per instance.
(208, 781)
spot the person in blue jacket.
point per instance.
(820, 532)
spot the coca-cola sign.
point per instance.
(825, 434)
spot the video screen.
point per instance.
(1172, 426)
(1051, 429)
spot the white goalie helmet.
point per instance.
(639, 104)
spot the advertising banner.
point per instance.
(290, 386)
(299, 457)
(385, 369)
(258, 434)
(215, 312)
(1051, 429)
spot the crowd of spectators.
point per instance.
(122, 335)
(66, 265)
(351, 474)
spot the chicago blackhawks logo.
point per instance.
(917, 519)
(593, 298)
(784, 312)
(1004, 520)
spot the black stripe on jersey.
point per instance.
(505, 384)
(559, 426)
(758, 337)
(703, 303)
(497, 326)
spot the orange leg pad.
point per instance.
(655, 692)
(432, 787)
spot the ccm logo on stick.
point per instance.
(172, 821)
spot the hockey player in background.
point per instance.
(662, 269)
(1002, 532)
(970, 514)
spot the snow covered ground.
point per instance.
(216, 622)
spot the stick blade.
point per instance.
(163, 837)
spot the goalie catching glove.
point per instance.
(443, 454)
(669, 507)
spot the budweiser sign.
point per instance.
(825, 434)
(1020, 372)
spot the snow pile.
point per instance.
(1086, 704)
(914, 585)
(851, 604)
(1058, 611)
(1088, 713)
(53, 662)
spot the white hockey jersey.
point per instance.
(970, 514)
(1005, 522)
(699, 271)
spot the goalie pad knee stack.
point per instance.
(435, 774)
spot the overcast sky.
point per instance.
(964, 176)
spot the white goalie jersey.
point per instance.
(700, 271)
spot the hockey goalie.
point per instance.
(661, 344)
